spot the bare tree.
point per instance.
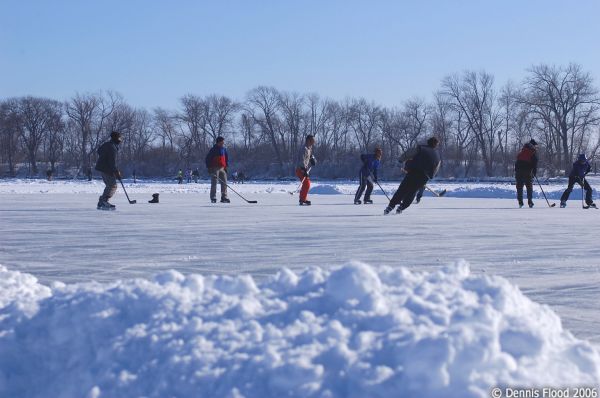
(566, 100)
(262, 104)
(321, 122)
(291, 106)
(139, 137)
(247, 127)
(71, 143)
(415, 116)
(54, 139)
(194, 120)
(90, 113)
(122, 119)
(37, 116)
(219, 113)
(166, 128)
(459, 149)
(473, 94)
(9, 133)
(441, 126)
(480, 129)
(330, 121)
(508, 131)
(392, 127)
(365, 122)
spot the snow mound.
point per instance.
(326, 189)
(353, 331)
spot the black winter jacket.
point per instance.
(424, 159)
(107, 157)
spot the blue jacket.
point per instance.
(370, 164)
(580, 169)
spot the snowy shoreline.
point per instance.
(500, 189)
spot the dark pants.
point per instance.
(111, 186)
(585, 185)
(364, 183)
(420, 193)
(408, 188)
(524, 177)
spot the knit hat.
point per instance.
(116, 136)
(433, 142)
(533, 142)
(581, 157)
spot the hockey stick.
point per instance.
(377, 182)
(582, 203)
(234, 191)
(382, 190)
(544, 193)
(131, 202)
(301, 182)
(439, 195)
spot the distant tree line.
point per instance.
(481, 128)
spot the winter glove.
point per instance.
(118, 175)
(370, 179)
(304, 171)
(312, 160)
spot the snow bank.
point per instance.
(506, 191)
(498, 190)
(326, 189)
(354, 331)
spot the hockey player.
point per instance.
(421, 190)
(107, 166)
(307, 161)
(525, 170)
(580, 169)
(368, 175)
(424, 166)
(217, 161)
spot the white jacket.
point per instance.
(305, 155)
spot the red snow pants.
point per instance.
(305, 184)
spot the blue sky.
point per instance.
(154, 52)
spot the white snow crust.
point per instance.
(349, 331)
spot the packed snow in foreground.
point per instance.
(350, 331)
